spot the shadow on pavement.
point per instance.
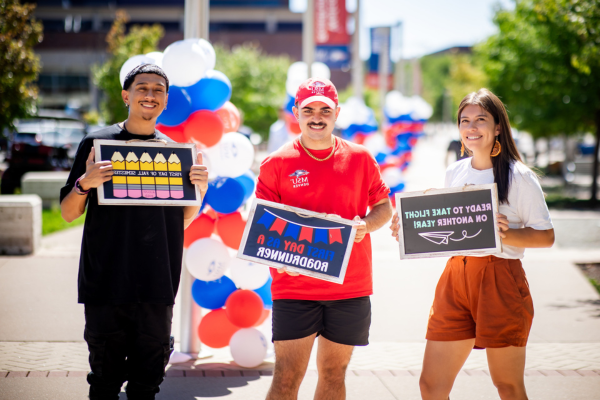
(192, 388)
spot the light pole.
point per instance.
(196, 19)
(196, 23)
(308, 35)
(384, 65)
(357, 65)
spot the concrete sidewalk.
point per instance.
(43, 356)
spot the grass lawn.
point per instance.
(52, 221)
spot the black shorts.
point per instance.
(341, 321)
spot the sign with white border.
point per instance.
(458, 221)
(309, 243)
(148, 173)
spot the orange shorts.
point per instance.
(485, 298)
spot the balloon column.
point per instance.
(405, 118)
(356, 120)
(298, 73)
(199, 111)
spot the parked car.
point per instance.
(40, 144)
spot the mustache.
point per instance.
(317, 124)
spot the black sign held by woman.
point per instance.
(302, 241)
(447, 222)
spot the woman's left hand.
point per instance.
(502, 224)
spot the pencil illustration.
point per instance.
(175, 183)
(119, 182)
(160, 162)
(148, 188)
(162, 183)
(134, 186)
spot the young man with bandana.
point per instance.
(130, 260)
(323, 173)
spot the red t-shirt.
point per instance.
(346, 184)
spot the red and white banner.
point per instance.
(330, 22)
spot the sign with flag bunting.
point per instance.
(303, 241)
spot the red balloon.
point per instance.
(174, 132)
(215, 330)
(205, 127)
(359, 138)
(244, 308)
(263, 317)
(202, 227)
(230, 116)
(292, 124)
(230, 228)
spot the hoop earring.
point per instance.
(497, 149)
(462, 149)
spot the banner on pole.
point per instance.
(331, 22)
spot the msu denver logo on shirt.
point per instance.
(299, 178)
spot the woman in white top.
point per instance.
(484, 302)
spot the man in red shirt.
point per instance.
(323, 173)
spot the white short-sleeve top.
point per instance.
(526, 207)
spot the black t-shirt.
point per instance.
(129, 254)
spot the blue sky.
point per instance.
(428, 25)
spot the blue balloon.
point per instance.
(380, 158)
(210, 92)
(179, 107)
(225, 195)
(265, 294)
(248, 182)
(290, 102)
(398, 188)
(213, 294)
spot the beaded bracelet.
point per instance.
(79, 189)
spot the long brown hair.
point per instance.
(509, 154)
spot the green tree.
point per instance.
(257, 81)
(447, 78)
(19, 66)
(121, 46)
(545, 65)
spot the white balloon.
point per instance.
(422, 109)
(353, 111)
(320, 70)
(131, 64)
(235, 155)
(207, 259)
(248, 347)
(392, 177)
(292, 85)
(157, 56)
(248, 275)
(210, 158)
(186, 61)
(298, 70)
(375, 144)
(397, 105)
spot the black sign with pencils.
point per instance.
(148, 173)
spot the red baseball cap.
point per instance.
(317, 89)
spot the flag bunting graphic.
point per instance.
(298, 231)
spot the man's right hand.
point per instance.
(282, 270)
(395, 226)
(96, 173)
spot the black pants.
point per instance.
(130, 342)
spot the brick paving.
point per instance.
(66, 359)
